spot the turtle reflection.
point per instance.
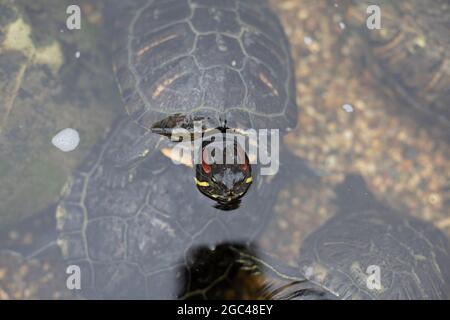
(238, 272)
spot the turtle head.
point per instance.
(223, 172)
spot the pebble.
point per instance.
(348, 108)
(66, 140)
(307, 40)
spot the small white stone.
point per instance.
(348, 108)
(342, 25)
(77, 54)
(66, 140)
(307, 40)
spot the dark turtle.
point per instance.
(340, 257)
(224, 63)
(130, 241)
(413, 256)
(129, 237)
(410, 53)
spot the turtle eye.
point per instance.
(206, 167)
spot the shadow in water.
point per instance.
(239, 272)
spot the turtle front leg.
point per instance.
(126, 153)
(123, 168)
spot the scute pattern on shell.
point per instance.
(411, 53)
(131, 241)
(223, 60)
(412, 255)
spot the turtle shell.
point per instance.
(130, 242)
(225, 62)
(410, 53)
(412, 256)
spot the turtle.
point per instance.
(410, 54)
(191, 69)
(365, 251)
(133, 241)
(128, 216)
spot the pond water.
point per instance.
(347, 102)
